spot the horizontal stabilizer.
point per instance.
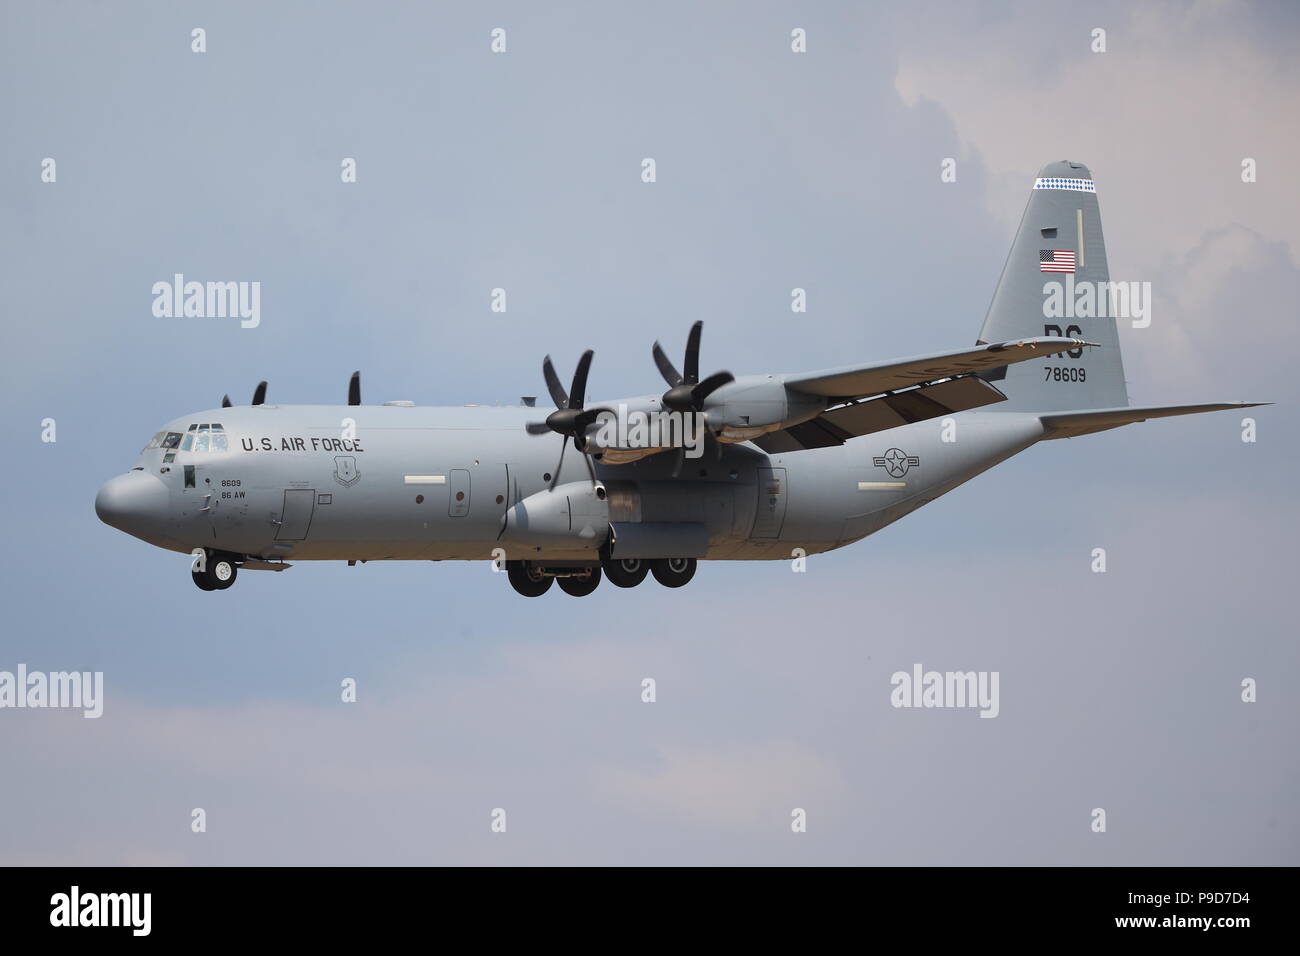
(863, 380)
(878, 414)
(1073, 424)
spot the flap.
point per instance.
(879, 414)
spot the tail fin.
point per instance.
(1042, 292)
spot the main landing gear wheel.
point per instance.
(580, 585)
(527, 579)
(673, 572)
(626, 572)
(218, 574)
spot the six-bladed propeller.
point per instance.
(686, 393)
(570, 418)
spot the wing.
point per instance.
(859, 381)
(838, 425)
(905, 390)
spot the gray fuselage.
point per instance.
(331, 482)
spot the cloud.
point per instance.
(1163, 118)
(1220, 315)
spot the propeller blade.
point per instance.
(710, 385)
(588, 417)
(354, 389)
(578, 393)
(559, 464)
(259, 393)
(553, 385)
(666, 368)
(225, 401)
(538, 428)
(679, 461)
(692, 370)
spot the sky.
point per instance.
(521, 170)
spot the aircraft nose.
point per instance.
(131, 502)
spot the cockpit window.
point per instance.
(155, 441)
(205, 437)
(170, 441)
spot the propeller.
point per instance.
(686, 393)
(354, 389)
(570, 418)
(259, 396)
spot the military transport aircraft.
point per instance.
(718, 468)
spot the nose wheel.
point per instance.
(219, 571)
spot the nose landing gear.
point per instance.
(218, 571)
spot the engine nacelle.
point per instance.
(573, 517)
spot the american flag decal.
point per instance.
(1055, 260)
